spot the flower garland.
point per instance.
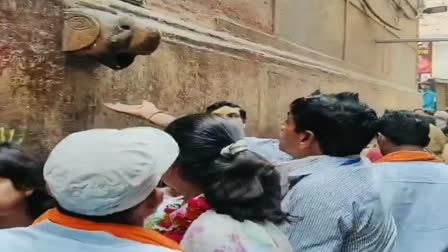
(177, 219)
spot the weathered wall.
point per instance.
(346, 31)
(211, 50)
(436, 26)
(34, 99)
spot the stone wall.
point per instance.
(259, 53)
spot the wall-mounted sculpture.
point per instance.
(112, 39)
(136, 2)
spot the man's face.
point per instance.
(298, 145)
(289, 138)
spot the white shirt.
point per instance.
(213, 232)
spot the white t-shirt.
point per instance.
(213, 232)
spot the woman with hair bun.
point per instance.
(234, 195)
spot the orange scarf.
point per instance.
(132, 233)
(409, 156)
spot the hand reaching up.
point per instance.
(145, 110)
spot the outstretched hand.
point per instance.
(145, 110)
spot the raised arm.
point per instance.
(145, 110)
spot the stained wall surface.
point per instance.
(261, 54)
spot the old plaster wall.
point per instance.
(34, 98)
(251, 52)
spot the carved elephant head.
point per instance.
(114, 40)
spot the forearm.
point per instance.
(161, 119)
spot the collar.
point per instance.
(409, 156)
(300, 168)
(127, 232)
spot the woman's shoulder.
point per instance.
(213, 231)
(214, 224)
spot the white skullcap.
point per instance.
(105, 171)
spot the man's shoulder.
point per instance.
(334, 178)
(19, 231)
(268, 149)
(265, 142)
(428, 171)
(33, 237)
(17, 239)
(341, 187)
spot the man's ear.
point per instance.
(306, 138)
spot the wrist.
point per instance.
(150, 116)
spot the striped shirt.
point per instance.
(337, 205)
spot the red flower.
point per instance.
(180, 223)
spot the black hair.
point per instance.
(340, 96)
(315, 92)
(426, 118)
(346, 96)
(221, 104)
(26, 174)
(404, 128)
(342, 125)
(244, 186)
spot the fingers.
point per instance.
(124, 108)
(120, 106)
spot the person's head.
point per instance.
(22, 184)
(107, 175)
(441, 119)
(227, 109)
(214, 160)
(335, 125)
(401, 130)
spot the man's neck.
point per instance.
(406, 148)
(18, 218)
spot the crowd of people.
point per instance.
(202, 185)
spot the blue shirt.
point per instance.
(417, 195)
(268, 149)
(50, 237)
(430, 100)
(338, 205)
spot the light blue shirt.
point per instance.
(268, 149)
(417, 195)
(338, 207)
(50, 237)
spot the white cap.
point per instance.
(105, 171)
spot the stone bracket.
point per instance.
(112, 39)
(135, 2)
